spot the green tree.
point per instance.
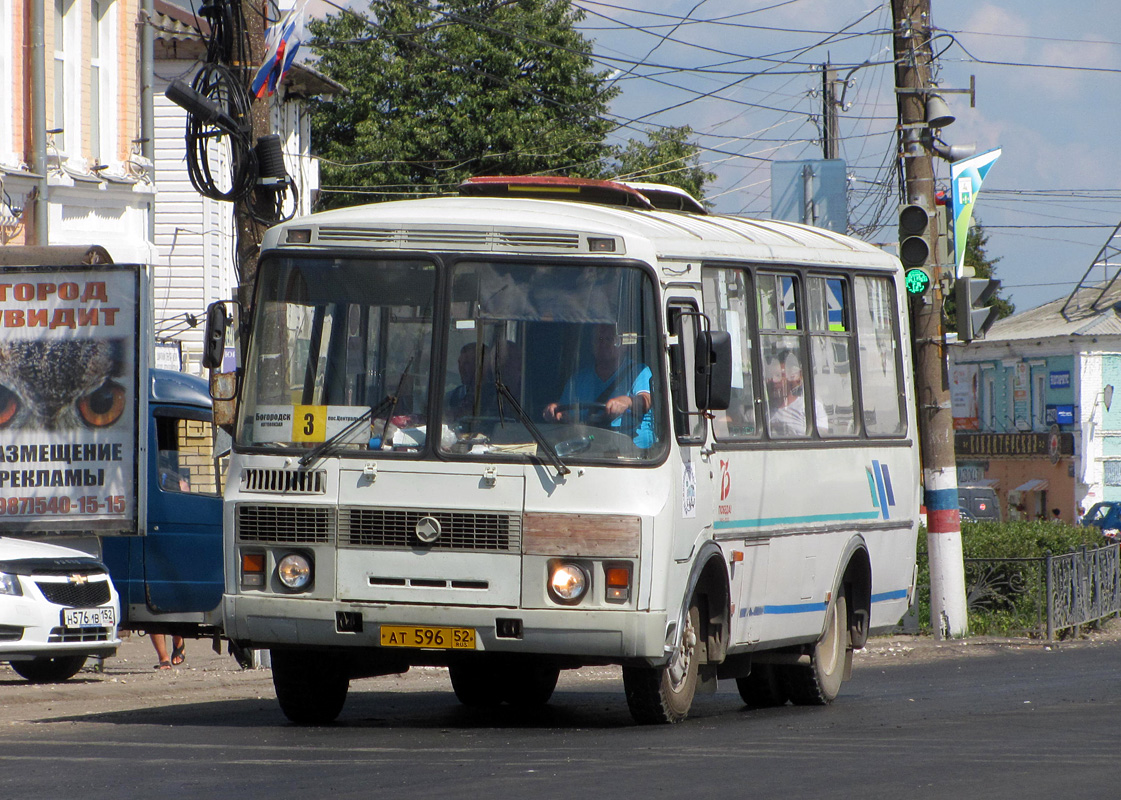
(440, 92)
(984, 266)
(667, 156)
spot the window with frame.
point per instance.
(102, 93)
(726, 302)
(186, 461)
(780, 343)
(831, 355)
(7, 66)
(880, 362)
(688, 423)
(67, 72)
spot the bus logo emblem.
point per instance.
(428, 529)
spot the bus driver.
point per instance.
(615, 382)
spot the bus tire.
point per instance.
(762, 688)
(49, 669)
(530, 686)
(820, 682)
(661, 695)
(477, 684)
(310, 687)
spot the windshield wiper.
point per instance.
(387, 404)
(321, 449)
(531, 426)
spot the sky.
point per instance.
(745, 75)
(742, 74)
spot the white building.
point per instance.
(1033, 406)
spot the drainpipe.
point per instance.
(39, 119)
(147, 107)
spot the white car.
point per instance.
(57, 608)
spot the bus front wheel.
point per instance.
(310, 687)
(659, 695)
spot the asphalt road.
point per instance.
(978, 719)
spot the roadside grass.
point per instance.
(1005, 585)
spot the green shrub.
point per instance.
(1005, 597)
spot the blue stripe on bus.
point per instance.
(876, 470)
(898, 594)
(803, 608)
(887, 485)
(763, 521)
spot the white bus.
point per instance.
(551, 423)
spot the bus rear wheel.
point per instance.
(762, 688)
(660, 695)
(483, 684)
(820, 682)
(310, 687)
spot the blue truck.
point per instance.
(170, 578)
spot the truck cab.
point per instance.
(170, 579)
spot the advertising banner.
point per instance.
(69, 405)
(965, 182)
(963, 396)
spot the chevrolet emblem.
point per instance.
(79, 579)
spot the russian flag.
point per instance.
(281, 43)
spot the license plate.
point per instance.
(88, 617)
(428, 638)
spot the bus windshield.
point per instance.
(540, 360)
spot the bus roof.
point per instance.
(556, 226)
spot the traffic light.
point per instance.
(914, 247)
(973, 316)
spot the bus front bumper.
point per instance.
(595, 635)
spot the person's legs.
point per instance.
(179, 650)
(160, 643)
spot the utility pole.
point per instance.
(248, 230)
(913, 59)
(830, 133)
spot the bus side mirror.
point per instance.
(214, 342)
(221, 321)
(713, 364)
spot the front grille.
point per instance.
(284, 481)
(285, 524)
(76, 635)
(459, 530)
(76, 595)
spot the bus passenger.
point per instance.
(616, 386)
(786, 401)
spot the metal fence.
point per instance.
(1039, 596)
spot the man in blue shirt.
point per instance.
(615, 382)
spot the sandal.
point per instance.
(179, 654)
(163, 665)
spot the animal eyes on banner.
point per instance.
(57, 385)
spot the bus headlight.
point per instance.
(294, 571)
(568, 583)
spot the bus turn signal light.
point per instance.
(253, 569)
(618, 580)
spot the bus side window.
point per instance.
(688, 423)
(831, 355)
(726, 298)
(780, 340)
(877, 338)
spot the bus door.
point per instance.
(693, 473)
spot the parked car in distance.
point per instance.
(1106, 516)
(57, 608)
(980, 502)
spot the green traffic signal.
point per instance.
(916, 280)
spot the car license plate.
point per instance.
(427, 637)
(88, 617)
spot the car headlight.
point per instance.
(568, 583)
(294, 571)
(9, 584)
